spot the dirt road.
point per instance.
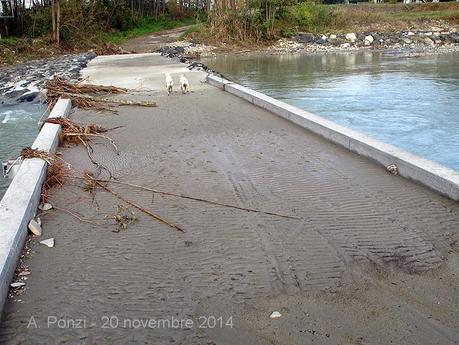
(152, 42)
(373, 259)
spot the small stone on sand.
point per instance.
(45, 207)
(35, 228)
(275, 315)
(17, 285)
(49, 242)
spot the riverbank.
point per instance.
(22, 82)
(405, 43)
(359, 238)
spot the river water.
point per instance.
(18, 129)
(412, 103)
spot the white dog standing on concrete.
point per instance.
(184, 84)
(169, 83)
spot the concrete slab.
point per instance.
(19, 204)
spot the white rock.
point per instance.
(17, 285)
(324, 37)
(38, 219)
(275, 315)
(351, 37)
(45, 207)
(345, 45)
(368, 40)
(407, 40)
(49, 242)
(35, 228)
(410, 33)
(333, 37)
(429, 41)
(428, 34)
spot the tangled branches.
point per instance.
(58, 87)
(56, 172)
(73, 133)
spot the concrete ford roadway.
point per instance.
(369, 257)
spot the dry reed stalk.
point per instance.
(98, 99)
(74, 133)
(192, 198)
(58, 87)
(92, 183)
(81, 219)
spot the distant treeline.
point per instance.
(62, 18)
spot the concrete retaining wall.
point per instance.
(424, 171)
(20, 202)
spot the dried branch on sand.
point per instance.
(58, 87)
(74, 133)
(81, 219)
(91, 183)
(118, 101)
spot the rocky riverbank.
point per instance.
(23, 82)
(434, 40)
(409, 43)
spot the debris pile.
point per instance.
(79, 93)
(56, 171)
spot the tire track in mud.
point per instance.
(301, 259)
(375, 232)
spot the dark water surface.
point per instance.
(18, 129)
(412, 103)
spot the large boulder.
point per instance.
(368, 40)
(304, 37)
(351, 37)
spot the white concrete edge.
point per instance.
(19, 204)
(431, 174)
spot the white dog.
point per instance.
(184, 84)
(169, 83)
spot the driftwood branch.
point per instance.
(151, 214)
(93, 224)
(110, 100)
(79, 135)
(156, 191)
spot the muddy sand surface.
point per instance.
(374, 259)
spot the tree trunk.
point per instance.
(58, 22)
(53, 19)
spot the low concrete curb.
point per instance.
(424, 171)
(20, 202)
